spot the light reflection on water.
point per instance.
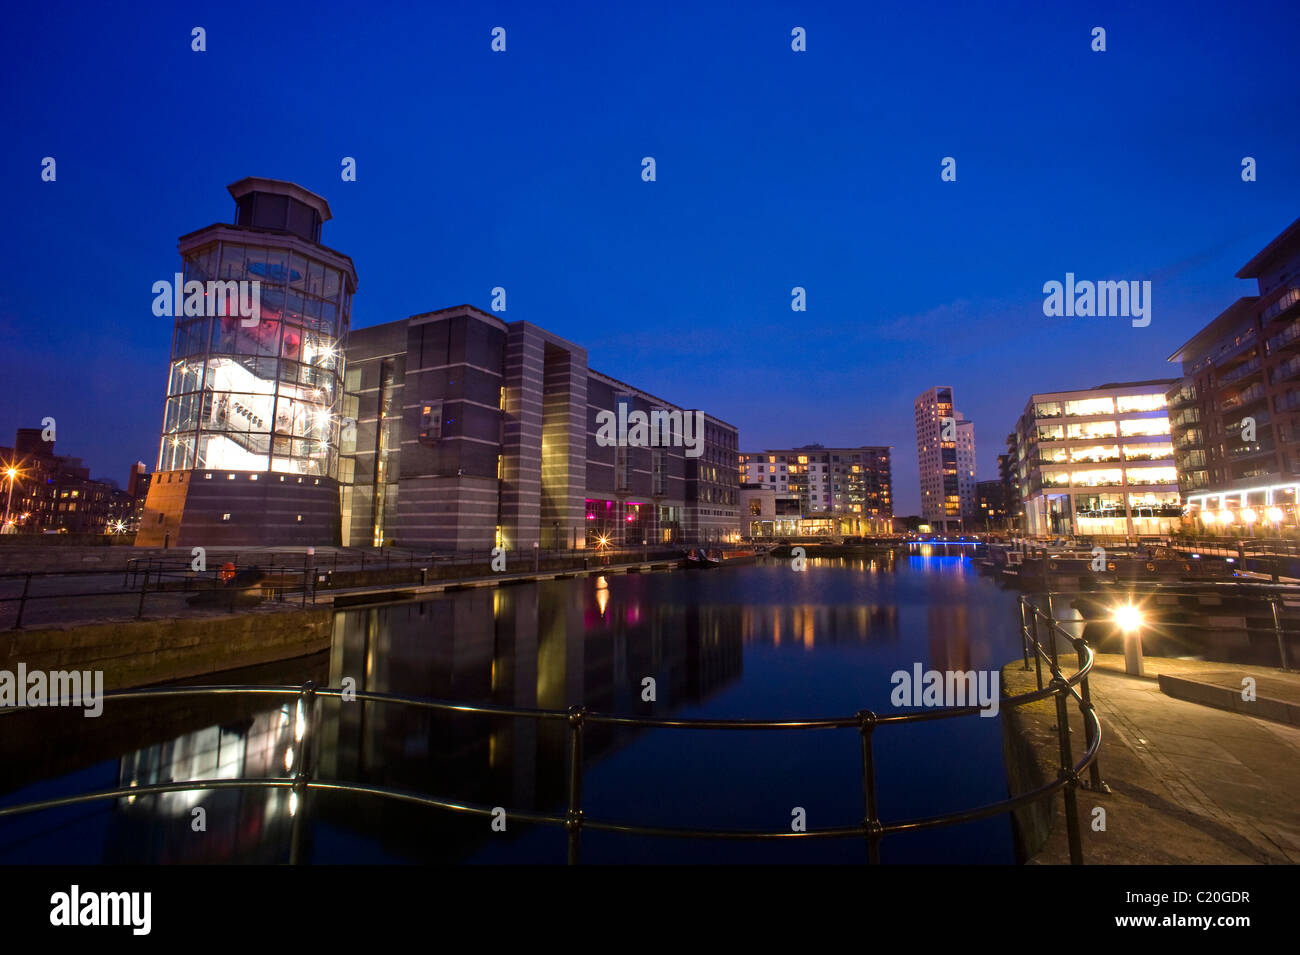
(754, 641)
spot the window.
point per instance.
(431, 422)
(224, 517)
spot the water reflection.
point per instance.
(234, 825)
(759, 641)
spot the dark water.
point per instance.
(744, 642)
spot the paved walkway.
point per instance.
(1190, 784)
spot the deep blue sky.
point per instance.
(775, 169)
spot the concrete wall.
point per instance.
(144, 652)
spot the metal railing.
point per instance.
(575, 819)
(297, 576)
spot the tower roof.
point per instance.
(280, 187)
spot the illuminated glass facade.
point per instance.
(1098, 463)
(263, 396)
(253, 414)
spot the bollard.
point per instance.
(1133, 663)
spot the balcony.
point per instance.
(1290, 297)
(1287, 370)
(1244, 399)
(1249, 370)
(1260, 420)
(1289, 337)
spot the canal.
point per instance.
(754, 641)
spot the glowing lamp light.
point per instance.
(1275, 515)
(1248, 515)
(1128, 619)
(1226, 517)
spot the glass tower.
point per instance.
(251, 422)
(245, 396)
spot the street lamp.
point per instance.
(11, 472)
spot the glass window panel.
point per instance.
(186, 376)
(297, 271)
(1152, 476)
(1096, 453)
(249, 375)
(316, 278)
(292, 345)
(331, 290)
(232, 262)
(1140, 403)
(1138, 426)
(272, 304)
(225, 335)
(1097, 477)
(312, 313)
(1090, 406)
(1093, 429)
(293, 308)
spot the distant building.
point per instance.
(945, 451)
(991, 502)
(54, 493)
(1098, 462)
(1235, 414)
(850, 490)
(766, 512)
(473, 432)
(1008, 474)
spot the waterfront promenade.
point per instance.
(1191, 784)
(64, 591)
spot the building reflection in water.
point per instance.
(546, 645)
(240, 825)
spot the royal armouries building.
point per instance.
(251, 424)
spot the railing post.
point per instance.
(573, 821)
(22, 602)
(302, 775)
(1024, 632)
(1095, 782)
(871, 824)
(1051, 635)
(1038, 655)
(1061, 688)
(144, 588)
(1281, 637)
